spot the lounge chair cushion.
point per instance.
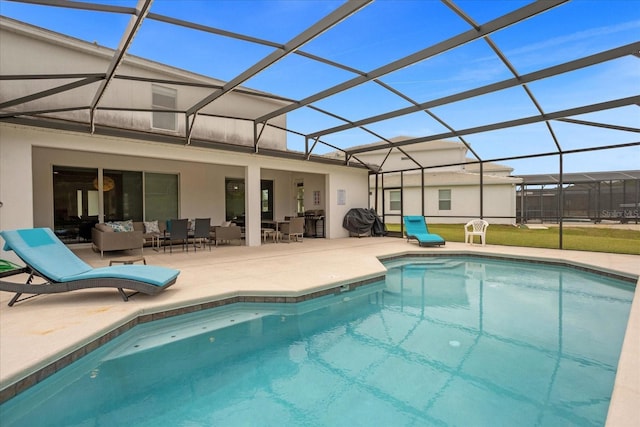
(427, 238)
(151, 274)
(43, 251)
(40, 247)
(416, 228)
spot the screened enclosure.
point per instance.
(595, 197)
(545, 87)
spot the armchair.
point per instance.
(294, 228)
(220, 233)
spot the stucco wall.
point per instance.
(498, 203)
(27, 50)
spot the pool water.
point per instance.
(442, 342)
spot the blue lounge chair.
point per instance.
(47, 257)
(415, 227)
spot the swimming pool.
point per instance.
(444, 341)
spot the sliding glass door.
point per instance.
(75, 202)
(160, 196)
(122, 192)
(126, 195)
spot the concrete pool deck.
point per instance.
(37, 333)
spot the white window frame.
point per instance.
(160, 119)
(395, 205)
(444, 199)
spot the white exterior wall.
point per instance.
(28, 154)
(27, 50)
(426, 157)
(499, 193)
(499, 201)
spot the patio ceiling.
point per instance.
(511, 81)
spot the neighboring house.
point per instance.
(65, 168)
(452, 194)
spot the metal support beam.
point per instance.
(517, 122)
(49, 92)
(82, 5)
(481, 190)
(257, 135)
(306, 36)
(500, 23)
(560, 201)
(141, 11)
(598, 58)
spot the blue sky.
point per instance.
(385, 31)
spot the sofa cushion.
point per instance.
(151, 227)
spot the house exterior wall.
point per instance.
(498, 204)
(28, 154)
(452, 153)
(50, 53)
(462, 179)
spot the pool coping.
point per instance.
(30, 376)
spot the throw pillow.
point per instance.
(121, 226)
(151, 227)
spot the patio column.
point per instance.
(252, 205)
(16, 187)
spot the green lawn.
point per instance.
(579, 238)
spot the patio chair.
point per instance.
(293, 229)
(228, 233)
(415, 227)
(47, 257)
(178, 231)
(475, 227)
(201, 232)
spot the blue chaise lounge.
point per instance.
(47, 257)
(415, 227)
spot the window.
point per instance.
(74, 202)
(395, 200)
(266, 202)
(300, 197)
(160, 196)
(444, 200)
(122, 192)
(234, 200)
(163, 98)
